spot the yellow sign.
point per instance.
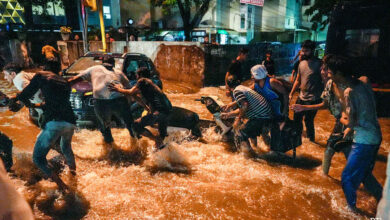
(11, 12)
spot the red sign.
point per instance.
(253, 2)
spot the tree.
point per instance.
(322, 9)
(185, 8)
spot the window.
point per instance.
(306, 2)
(242, 21)
(362, 42)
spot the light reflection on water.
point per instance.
(197, 179)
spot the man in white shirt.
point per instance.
(106, 102)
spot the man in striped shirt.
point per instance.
(252, 106)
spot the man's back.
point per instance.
(55, 92)
(310, 79)
(100, 77)
(361, 109)
(258, 105)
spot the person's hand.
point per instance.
(236, 124)
(114, 87)
(228, 93)
(225, 108)
(297, 108)
(346, 132)
(290, 96)
(224, 116)
(14, 105)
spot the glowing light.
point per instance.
(11, 12)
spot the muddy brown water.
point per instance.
(198, 179)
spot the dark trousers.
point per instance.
(360, 163)
(308, 116)
(106, 108)
(6, 151)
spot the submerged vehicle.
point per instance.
(81, 98)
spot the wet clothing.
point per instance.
(156, 100)
(258, 107)
(253, 128)
(270, 66)
(21, 81)
(330, 99)
(360, 107)
(360, 164)
(55, 92)
(311, 87)
(309, 119)
(58, 118)
(330, 151)
(367, 136)
(259, 112)
(271, 96)
(106, 108)
(54, 130)
(235, 69)
(295, 68)
(101, 77)
(150, 119)
(311, 83)
(159, 105)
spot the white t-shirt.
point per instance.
(22, 80)
(101, 77)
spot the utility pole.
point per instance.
(84, 16)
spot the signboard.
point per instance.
(253, 2)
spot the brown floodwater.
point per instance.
(197, 179)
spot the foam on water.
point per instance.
(200, 179)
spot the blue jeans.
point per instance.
(361, 161)
(53, 131)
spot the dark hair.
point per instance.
(232, 81)
(143, 72)
(52, 66)
(13, 67)
(268, 52)
(309, 44)
(244, 50)
(148, 88)
(338, 64)
(109, 60)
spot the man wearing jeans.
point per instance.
(310, 83)
(367, 137)
(106, 102)
(58, 121)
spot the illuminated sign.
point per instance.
(11, 12)
(253, 2)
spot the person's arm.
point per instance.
(350, 109)
(278, 86)
(292, 76)
(297, 83)
(29, 92)
(131, 92)
(300, 108)
(125, 82)
(229, 106)
(84, 75)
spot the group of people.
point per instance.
(47, 90)
(329, 83)
(349, 99)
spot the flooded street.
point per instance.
(198, 179)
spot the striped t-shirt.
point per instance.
(258, 106)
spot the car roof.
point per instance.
(102, 54)
(134, 55)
